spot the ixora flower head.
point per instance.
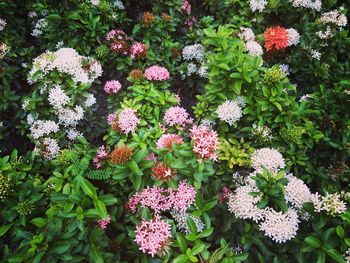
(156, 73)
(267, 158)
(153, 236)
(276, 38)
(167, 141)
(230, 111)
(127, 121)
(138, 50)
(163, 172)
(121, 155)
(177, 116)
(206, 142)
(67, 61)
(119, 41)
(112, 86)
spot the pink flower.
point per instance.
(190, 22)
(101, 155)
(112, 86)
(111, 118)
(177, 116)
(151, 157)
(205, 142)
(127, 121)
(224, 195)
(183, 197)
(103, 223)
(153, 236)
(138, 50)
(156, 73)
(186, 7)
(167, 140)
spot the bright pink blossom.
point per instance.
(103, 223)
(205, 142)
(153, 236)
(177, 116)
(224, 195)
(186, 7)
(111, 118)
(112, 86)
(190, 22)
(138, 50)
(151, 157)
(101, 156)
(127, 121)
(156, 73)
(183, 197)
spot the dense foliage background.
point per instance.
(174, 131)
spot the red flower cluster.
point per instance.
(163, 172)
(276, 38)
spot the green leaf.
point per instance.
(60, 247)
(38, 221)
(134, 167)
(340, 231)
(334, 254)
(191, 225)
(197, 249)
(181, 242)
(313, 241)
(181, 259)
(4, 229)
(96, 255)
(240, 257)
(101, 209)
(88, 187)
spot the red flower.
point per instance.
(276, 38)
(163, 172)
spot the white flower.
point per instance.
(285, 69)
(243, 205)
(39, 27)
(347, 256)
(57, 98)
(91, 100)
(246, 34)
(293, 37)
(196, 51)
(208, 123)
(330, 203)
(191, 68)
(203, 71)
(72, 134)
(334, 17)
(50, 148)
(32, 14)
(59, 44)
(95, 2)
(280, 227)
(229, 112)
(315, 54)
(304, 97)
(267, 158)
(180, 218)
(325, 34)
(70, 117)
(311, 4)
(2, 24)
(119, 4)
(40, 128)
(25, 104)
(254, 48)
(296, 192)
(30, 119)
(257, 5)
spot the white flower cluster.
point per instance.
(230, 111)
(262, 132)
(325, 34)
(196, 54)
(347, 256)
(315, 54)
(39, 27)
(180, 218)
(296, 192)
(334, 17)
(95, 2)
(41, 128)
(257, 5)
(57, 98)
(191, 52)
(330, 203)
(2, 24)
(284, 68)
(247, 35)
(90, 100)
(50, 148)
(280, 227)
(293, 37)
(267, 158)
(310, 4)
(207, 122)
(68, 61)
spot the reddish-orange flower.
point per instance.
(163, 172)
(136, 74)
(121, 155)
(147, 18)
(276, 38)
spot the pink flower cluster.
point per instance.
(151, 157)
(111, 118)
(186, 7)
(224, 195)
(127, 121)
(101, 156)
(190, 22)
(115, 34)
(156, 73)
(167, 141)
(103, 223)
(112, 86)
(205, 142)
(153, 236)
(138, 50)
(159, 199)
(177, 116)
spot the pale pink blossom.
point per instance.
(153, 236)
(177, 116)
(156, 73)
(138, 50)
(112, 86)
(103, 223)
(186, 7)
(111, 118)
(151, 157)
(167, 141)
(183, 197)
(101, 155)
(206, 142)
(128, 121)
